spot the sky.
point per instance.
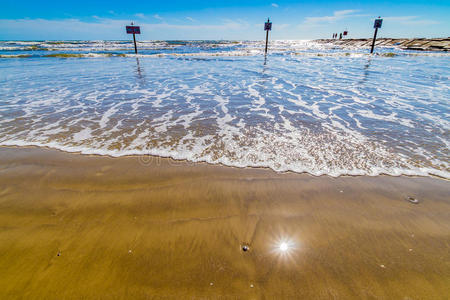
(216, 20)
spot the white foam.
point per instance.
(336, 115)
(82, 135)
(105, 118)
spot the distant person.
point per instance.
(340, 36)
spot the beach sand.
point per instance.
(88, 227)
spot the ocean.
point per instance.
(306, 107)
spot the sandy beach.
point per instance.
(225, 150)
(77, 227)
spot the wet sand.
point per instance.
(152, 228)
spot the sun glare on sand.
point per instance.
(284, 247)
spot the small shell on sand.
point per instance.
(412, 200)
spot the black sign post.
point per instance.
(267, 28)
(376, 25)
(134, 30)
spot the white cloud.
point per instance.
(140, 15)
(58, 29)
(191, 19)
(106, 28)
(410, 20)
(156, 16)
(337, 15)
(275, 5)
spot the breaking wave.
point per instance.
(305, 108)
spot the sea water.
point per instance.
(306, 107)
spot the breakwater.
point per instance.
(419, 44)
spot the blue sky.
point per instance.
(231, 19)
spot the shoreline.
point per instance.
(92, 226)
(187, 161)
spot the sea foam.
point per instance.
(321, 111)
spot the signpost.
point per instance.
(267, 28)
(134, 30)
(376, 25)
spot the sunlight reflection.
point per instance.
(284, 247)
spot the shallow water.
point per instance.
(306, 108)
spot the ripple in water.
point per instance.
(334, 115)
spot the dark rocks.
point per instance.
(419, 44)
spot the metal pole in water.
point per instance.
(133, 30)
(374, 39)
(376, 25)
(267, 28)
(135, 47)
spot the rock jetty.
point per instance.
(437, 44)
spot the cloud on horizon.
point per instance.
(155, 27)
(410, 20)
(337, 15)
(105, 28)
